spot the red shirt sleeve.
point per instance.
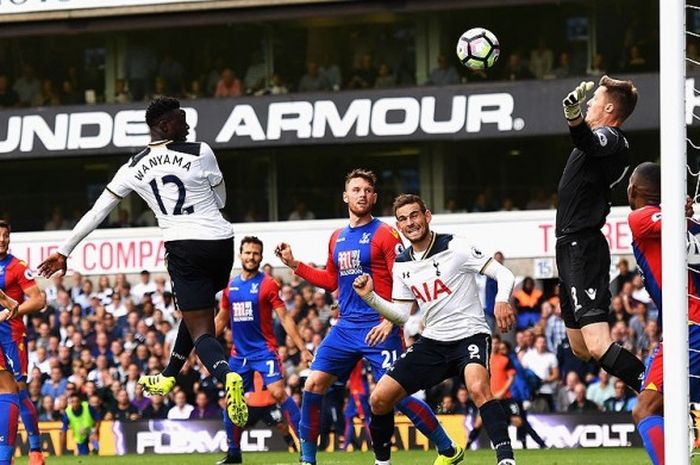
(224, 299)
(19, 278)
(272, 293)
(391, 246)
(645, 223)
(326, 279)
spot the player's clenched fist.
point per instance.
(363, 285)
(505, 316)
(284, 253)
(11, 307)
(572, 102)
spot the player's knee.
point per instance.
(516, 421)
(480, 391)
(379, 404)
(648, 403)
(581, 352)
(7, 383)
(315, 384)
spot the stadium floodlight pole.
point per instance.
(673, 245)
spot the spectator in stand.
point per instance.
(624, 275)
(444, 75)
(602, 389)
(181, 410)
(49, 96)
(8, 97)
(301, 212)
(566, 394)
(194, 92)
(515, 70)
(141, 66)
(618, 311)
(46, 411)
(620, 401)
(581, 404)
(173, 74)
(213, 76)
(121, 95)
(157, 410)
(331, 71)
(563, 68)
(70, 95)
(144, 287)
(275, 86)
(636, 61)
(598, 66)
(55, 386)
(57, 221)
(28, 88)
(229, 85)
(363, 77)
(545, 365)
(385, 78)
(256, 73)
(541, 60)
(313, 80)
(123, 410)
(555, 329)
(528, 301)
(203, 409)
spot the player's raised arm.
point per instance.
(503, 312)
(397, 312)
(57, 261)
(327, 279)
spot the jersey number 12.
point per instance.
(181, 191)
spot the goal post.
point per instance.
(672, 28)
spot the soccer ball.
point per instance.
(478, 48)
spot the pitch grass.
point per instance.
(634, 456)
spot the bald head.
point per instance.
(645, 186)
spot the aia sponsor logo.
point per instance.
(428, 292)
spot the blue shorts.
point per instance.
(13, 358)
(654, 373)
(343, 347)
(83, 447)
(268, 366)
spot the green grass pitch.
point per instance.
(526, 457)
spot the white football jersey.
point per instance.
(444, 286)
(176, 180)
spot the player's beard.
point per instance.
(363, 210)
(251, 268)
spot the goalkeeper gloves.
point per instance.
(572, 102)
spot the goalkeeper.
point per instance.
(599, 161)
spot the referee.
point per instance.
(599, 161)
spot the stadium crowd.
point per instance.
(97, 338)
(151, 72)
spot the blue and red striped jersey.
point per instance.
(645, 224)
(15, 279)
(371, 249)
(250, 303)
